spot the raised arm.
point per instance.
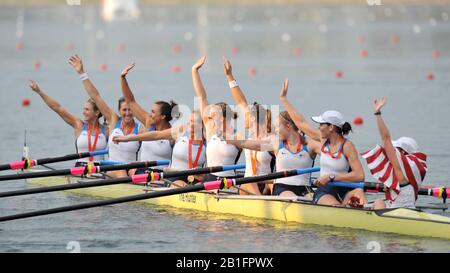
(236, 91)
(170, 133)
(198, 86)
(267, 144)
(138, 111)
(298, 118)
(107, 112)
(386, 138)
(70, 119)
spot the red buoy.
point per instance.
(358, 120)
(395, 39)
(360, 39)
(69, 46)
(176, 49)
(235, 50)
(37, 65)
(297, 51)
(430, 76)
(436, 54)
(20, 45)
(363, 53)
(26, 102)
(252, 71)
(175, 69)
(339, 74)
(103, 67)
(121, 47)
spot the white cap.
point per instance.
(332, 117)
(406, 143)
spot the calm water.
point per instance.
(264, 38)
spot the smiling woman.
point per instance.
(90, 134)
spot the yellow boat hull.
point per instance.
(400, 221)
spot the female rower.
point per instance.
(217, 121)
(189, 150)
(338, 156)
(293, 151)
(118, 125)
(398, 164)
(157, 120)
(90, 134)
(258, 120)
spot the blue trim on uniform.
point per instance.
(152, 129)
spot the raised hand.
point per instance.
(284, 89)
(127, 69)
(199, 63)
(227, 67)
(34, 86)
(378, 104)
(77, 64)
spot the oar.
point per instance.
(212, 185)
(138, 178)
(89, 169)
(440, 192)
(30, 163)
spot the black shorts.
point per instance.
(146, 170)
(278, 188)
(337, 192)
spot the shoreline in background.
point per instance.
(43, 3)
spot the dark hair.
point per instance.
(169, 110)
(346, 128)
(121, 100)
(226, 109)
(265, 119)
(285, 115)
(95, 107)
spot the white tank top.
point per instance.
(330, 165)
(124, 151)
(265, 162)
(156, 150)
(82, 144)
(180, 154)
(287, 160)
(219, 153)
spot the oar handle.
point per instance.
(353, 185)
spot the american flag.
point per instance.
(413, 165)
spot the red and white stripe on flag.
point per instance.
(414, 168)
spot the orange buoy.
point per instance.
(20, 45)
(103, 67)
(176, 49)
(297, 51)
(430, 76)
(26, 102)
(37, 65)
(175, 69)
(339, 74)
(252, 71)
(363, 53)
(358, 120)
(436, 54)
(235, 50)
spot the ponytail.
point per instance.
(169, 110)
(345, 130)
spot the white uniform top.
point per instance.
(82, 144)
(124, 151)
(333, 166)
(219, 153)
(265, 162)
(156, 150)
(180, 154)
(287, 160)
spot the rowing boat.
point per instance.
(399, 221)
